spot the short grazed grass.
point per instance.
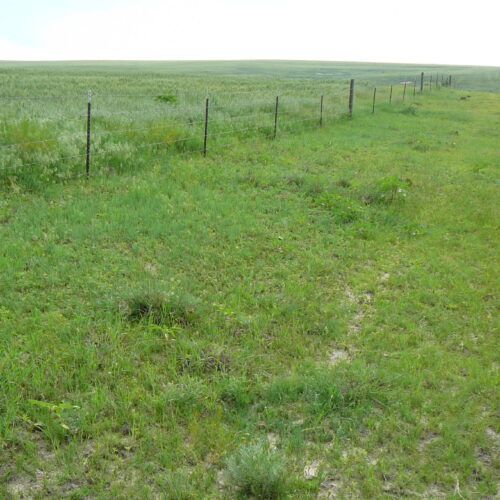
(208, 328)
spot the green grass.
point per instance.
(207, 328)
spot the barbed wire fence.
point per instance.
(203, 123)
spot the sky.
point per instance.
(421, 31)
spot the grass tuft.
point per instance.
(409, 110)
(344, 210)
(162, 308)
(256, 471)
(387, 191)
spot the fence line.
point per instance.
(208, 119)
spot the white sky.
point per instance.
(418, 31)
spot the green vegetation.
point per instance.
(308, 316)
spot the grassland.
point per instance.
(311, 316)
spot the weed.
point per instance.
(56, 421)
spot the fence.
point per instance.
(192, 126)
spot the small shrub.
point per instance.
(258, 472)
(162, 309)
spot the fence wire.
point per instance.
(223, 117)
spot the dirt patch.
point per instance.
(361, 302)
(311, 470)
(330, 488)
(25, 486)
(273, 440)
(338, 356)
(426, 441)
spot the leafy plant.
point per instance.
(58, 419)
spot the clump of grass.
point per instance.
(387, 191)
(314, 188)
(409, 110)
(205, 362)
(344, 210)
(295, 179)
(160, 135)
(167, 98)
(30, 136)
(422, 147)
(343, 183)
(256, 471)
(236, 392)
(160, 308)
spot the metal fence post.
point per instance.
(421, 82)
(351, 97)
(276, 117)
(414, 87)
(205, 140)
(374, 96)
(404, 92)
(390, 96)
(321, 112)
(89, 123)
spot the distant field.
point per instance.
(80, 74)
(311, 316)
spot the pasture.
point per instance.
(310, 316)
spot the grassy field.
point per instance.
(308, 317)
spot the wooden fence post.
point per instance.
(421, 82)
(404, 91)
(390, 96)
(374, 96)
